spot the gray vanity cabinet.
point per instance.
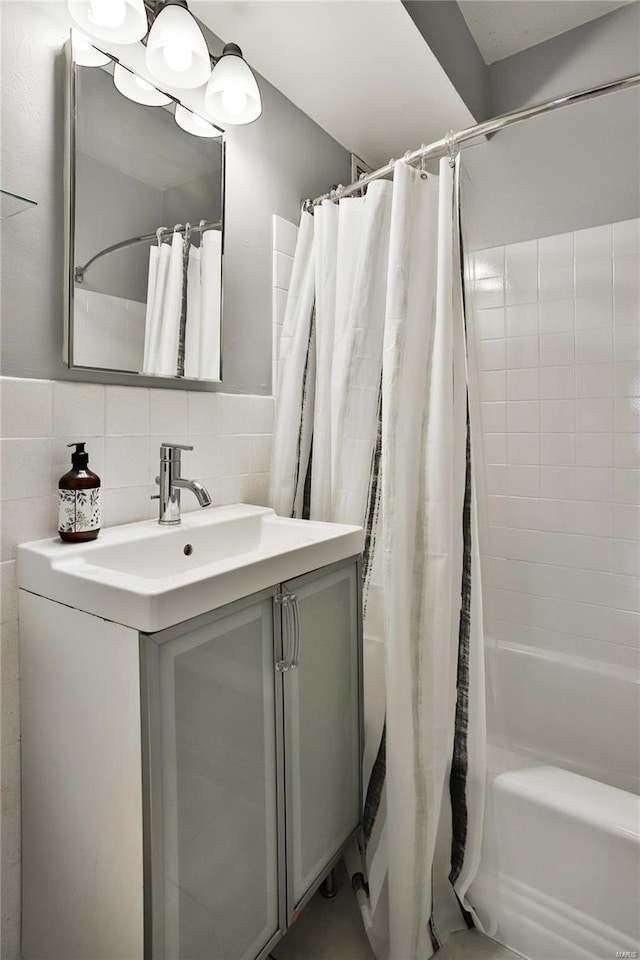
(252, 747)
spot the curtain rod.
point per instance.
(203, 226)
(453, 141)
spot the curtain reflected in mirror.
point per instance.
(146, 238)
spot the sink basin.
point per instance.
(150, 577)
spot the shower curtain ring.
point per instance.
(362, 185)
(159, 233)
(423, 162)
(452, 147)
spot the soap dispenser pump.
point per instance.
(79, 499)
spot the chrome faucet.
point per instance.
(171, 482)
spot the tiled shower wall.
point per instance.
(123, 427)
(285, 235)
(555, 346)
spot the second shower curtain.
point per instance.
(372, 390)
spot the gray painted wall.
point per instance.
(444, 28)
(271, 165)
(576, 168)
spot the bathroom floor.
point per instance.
(332, 930)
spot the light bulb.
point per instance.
(178, 57)
(234, 101)
(107, 13)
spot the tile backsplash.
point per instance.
(123, 428)
(554, 337)
(285, 235)
(108, 331)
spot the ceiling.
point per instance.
(501, 28)
(359, 68)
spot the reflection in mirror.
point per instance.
(146, 230)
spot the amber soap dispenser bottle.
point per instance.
(79, 500)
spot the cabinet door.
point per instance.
(213, 841)
(322, 724)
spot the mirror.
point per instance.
(145, 230)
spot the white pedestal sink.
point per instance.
(150, 577)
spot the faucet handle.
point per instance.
(172, 451)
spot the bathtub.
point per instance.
(559, 876)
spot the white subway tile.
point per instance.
(594, 243)
(626, 486)
(78, 409)
(626, 274)
(489, 263)
(522, 320)
(558, 416)
(594, 380)
(627, 343)
(627, 450)
(626, 237)
(203, 410)
(285, 234)
(25, 407)
(278, 305)
(488, 293)
(9, 662)
(522, 352)
(127, 411)
(557, 449)
(558, 482)
(626, 414)
(26, 468)
(495, 448)
(594, 346)
(594, 483)
(168, 413)
(556, 349)
(9, 719)
(594, 449)
(626, 309)
(491, 354)
(523, 384)
(282, 267)
(521, 286)
(496, 479)
(557, 383)
(522, 448)
(126, 461)
(626, 520)
(494, 417)
(25, 520)
(594, 278)
(489, 324)
(493, 385)
(594, 519)
(627, 628)
(626, 376)
(594, 415)
(523, 480)
(522, 416)
(593, 311)
(626, 556)
(126, 505)
(556, 316)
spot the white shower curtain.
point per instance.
(202, 329)
(391, 451)
(164, 306)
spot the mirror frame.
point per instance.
(70, 143)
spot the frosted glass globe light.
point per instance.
(194, 124)
(107, 13)
(177, 53)
(232, 94)
(85, 54)
(137, 89)
(117, 21)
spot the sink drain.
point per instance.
(187, 549)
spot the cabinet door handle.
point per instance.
(295, 616)
(284, 600)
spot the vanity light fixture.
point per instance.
(177, 52)
(117, 21)
(86, 54)
(135, 88)
(194, 124)
(232, 94)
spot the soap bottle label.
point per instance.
(79, 510)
